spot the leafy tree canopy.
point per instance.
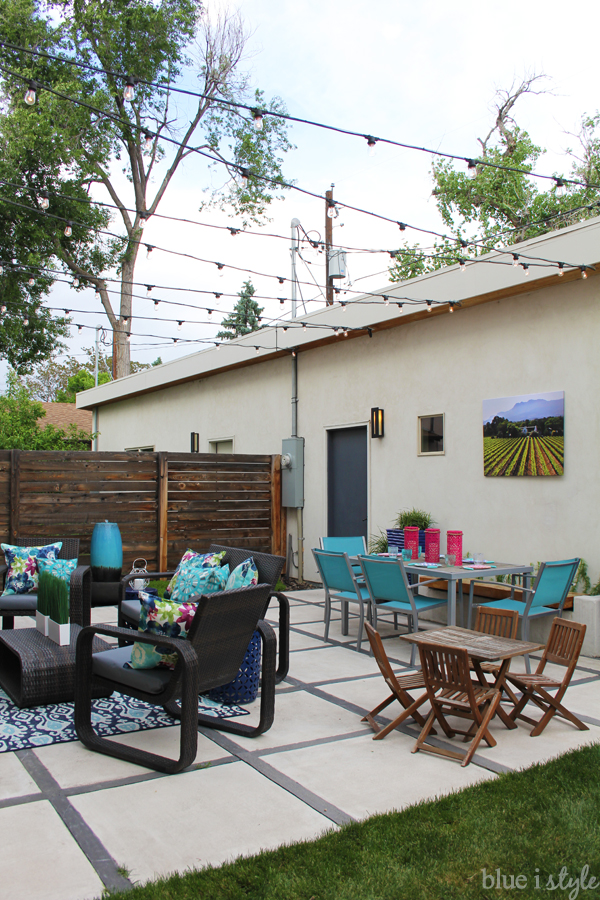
(495, 206)
(81, 132)
(245, 316)
(20, 430)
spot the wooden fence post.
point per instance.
(15, 493)
(277, 511)
(163, 499)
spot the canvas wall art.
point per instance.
(524, 435)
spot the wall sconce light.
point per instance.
(195, 442)
(376, 422)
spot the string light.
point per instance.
(68, 229)
(561, 270)
(371, 144)
(25, 320)
(332, 210)
(149, 289)
(583, 270)
(462, 265)
(471, 168)
(559, 187)
(401, 226)
(44, 200)
(399, 305)
(156, 302)
(217, 346)
(30, 94)
(245, 173)
(386, 300)
(148, 138)
(75, 282)
(3, 308)
(280, 279)
(429, 306)
(451, 307)
(525, 268)
(31, 282)
(179, 324)
(80, 329)
(142, 221)
(515, 258)
(257, 350)
(129, 92)
(281, 301)
(149, 249)
(257, 115)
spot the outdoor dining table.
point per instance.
(481, 648)
(455, 575)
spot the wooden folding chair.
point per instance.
(399, 685)
(498, 622)
(451, 692)
(563, 648)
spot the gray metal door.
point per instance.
(347, 482)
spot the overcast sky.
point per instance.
(423, 73)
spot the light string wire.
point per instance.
(262, 112)
(277, 182)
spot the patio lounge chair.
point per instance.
(452, 693)
(389, 590)
(546, 597)
(210, 657)
(562, 649)
(399, 685)
(269, 569)
(339, 583)
(26, 604)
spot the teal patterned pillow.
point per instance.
(59, 568)
(160, 617)
(243, 575)
(194, 579)
(22, 562)
(206, 561)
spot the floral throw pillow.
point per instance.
(59, 568)
(22, 575)
(207, 561)
(164, 617)
(243, 575)
(195, 579)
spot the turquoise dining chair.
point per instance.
(339, 582)
(353, 546)
(551, 586)
(389, 590)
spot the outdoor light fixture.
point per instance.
(257, 115)
(561, 270)
(68, 230)
(30, 94)
(371, 144)
(376, 422)
(44, 200)
(471, 168)
(195, 442)
(129, 91)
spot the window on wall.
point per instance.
(221, 446)
(431, 435)
(140, 449)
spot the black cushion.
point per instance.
(111, 664)
(131, 609)
(18, 601)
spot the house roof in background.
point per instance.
(490, 277)
(62, 414)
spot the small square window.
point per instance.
(431, 435)
(223, 446)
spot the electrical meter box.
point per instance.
(292, 472)
(337, 264)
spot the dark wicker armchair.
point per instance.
(269, 569)
(210, 657)
(26, 604)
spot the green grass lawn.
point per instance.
(529, 824)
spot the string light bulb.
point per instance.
(31, 282)
(44, 199)
(429, 306)
(257, 350)
(156, 302)
(559, 187)
(3, 308)
(515, 261)
(80, 329)
(25, 320)
(281, 301)
(245, 173)
(583, 270)
(30, 94)
(179, 324)
(471, 168)
(149, 289)
(68, 229)
(148, 138)
(280, 279)
(332, 211)
(76, 282)
(217, 346)
(304, 327)
(451, 307)
(561, 270)
(129, 91)
(400, 308)
(401, 226)
(462, 265)
(371, 144)
(525, 268)
(209, 311)
(257, 116)
(386, 300)
(142, 221)
(149, 249)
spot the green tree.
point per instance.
(495, 206)
(20, 429)
(63, 148)
(245, 316)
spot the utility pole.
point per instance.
(329, 207)
(294, 250)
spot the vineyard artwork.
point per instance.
(524, 435)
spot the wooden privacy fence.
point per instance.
(163, 503)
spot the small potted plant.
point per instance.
(414, 518)
(54, 594)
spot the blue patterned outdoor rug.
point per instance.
(23, 729)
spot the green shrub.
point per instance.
(415, 518)
(53, 598)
